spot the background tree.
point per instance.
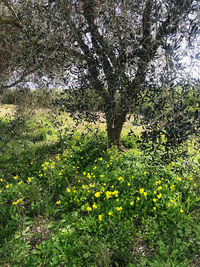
(112, 47)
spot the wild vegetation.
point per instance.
(68, 200)
(103, 170)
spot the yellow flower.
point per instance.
(132, 203)
(94, 206)
(119, 208)
(128, 184)
(181, 210)
(58, 202)
(108, 194)
(172, 187)
(1, 180)
(68, 190)
(155, 192)
(84, 173)
(117, 199)
(7, 186)
(141, 190)
(20, 182)
(195, 184)
(94, 168)
(92, 185)
(100, 217)
(145, 173)
(158, 182)
(14, 203)
(115, 193)
(102, 176)
(110, 213)
(159, 188)
(121, 179)
(178, 178)
(29, 180)
(159, 196)
(89, 208)
(138, 198)
(145, 194)
(89, 175)
(154, 208)
(154, 199)
(97, 194)
(16, 177)
(100, 159)
(168, 205)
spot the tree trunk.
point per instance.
(114, 129)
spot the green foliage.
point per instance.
(86, 205)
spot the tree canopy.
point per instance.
(116, 48)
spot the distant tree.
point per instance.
(116, 48)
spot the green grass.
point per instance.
(66, 200)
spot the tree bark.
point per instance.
(114, 129)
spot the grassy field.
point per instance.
(67, 200)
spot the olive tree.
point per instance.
(114, 48)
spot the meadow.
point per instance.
(67, 200)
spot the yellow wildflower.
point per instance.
(58, 202)
(110, 213)
(97, 194)
(172, 187)
(108, 194)
(94, 206)
(145, 194)
(132, 203)
(141, 190)
(100, 217)
(29, 180)
(89, 208)
(119, 208)
(68, 190)
(181, 210)
(154, 199)
(159, 196)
